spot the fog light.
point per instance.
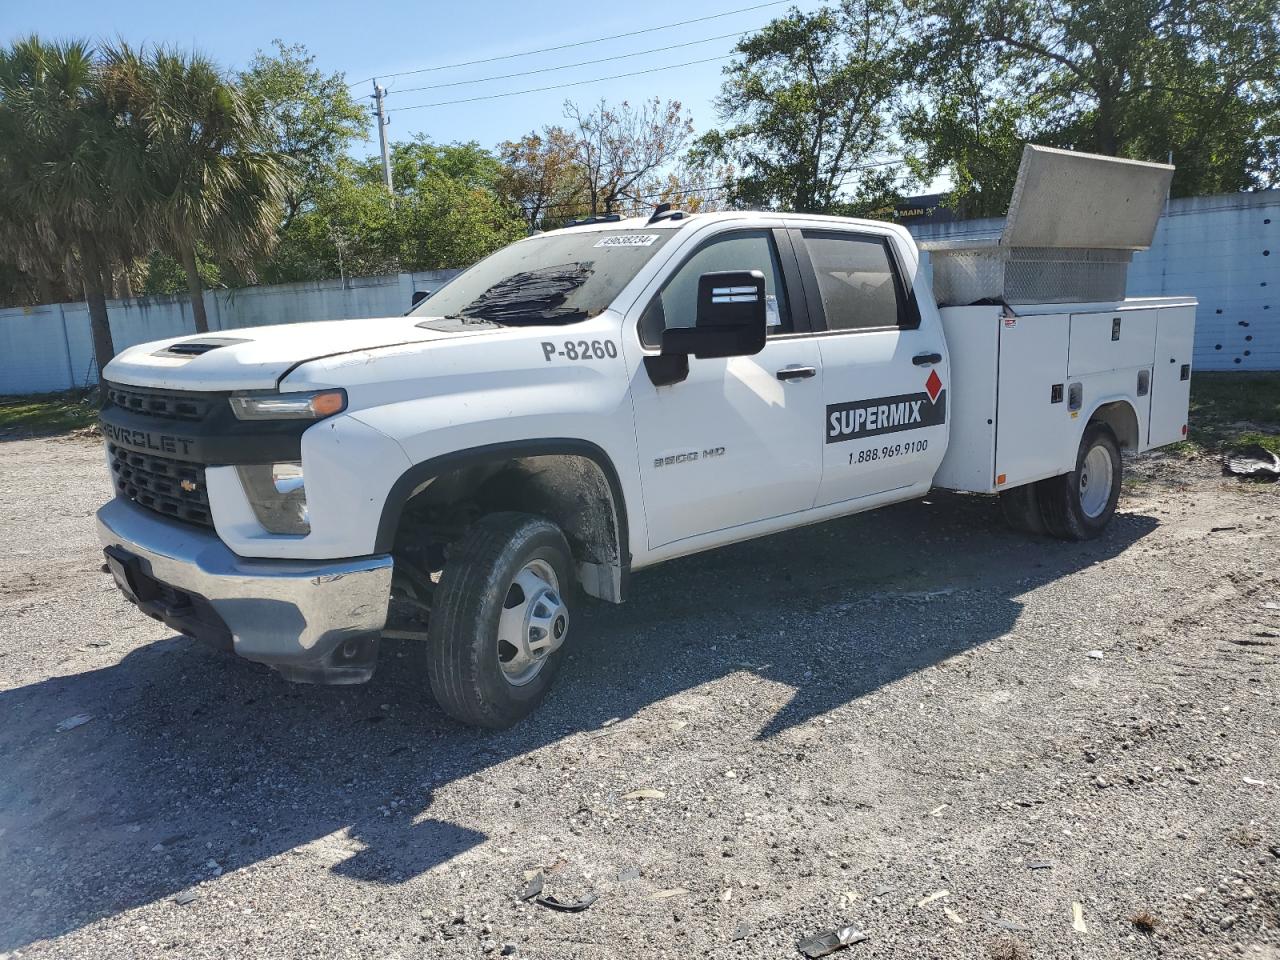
(278, 494)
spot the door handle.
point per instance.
(925, 359)
(796, 373)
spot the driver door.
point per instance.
(740, 439)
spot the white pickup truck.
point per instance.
(592, 401)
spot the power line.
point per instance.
(569, 66)
(562, 86)
(582, 43)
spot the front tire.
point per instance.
(499, 619)
(1079, 505)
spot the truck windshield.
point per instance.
(553, 279)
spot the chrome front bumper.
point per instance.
(312, 620)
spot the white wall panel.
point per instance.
(48, 348)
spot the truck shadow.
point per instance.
(196, 763)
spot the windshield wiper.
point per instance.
(532, 297)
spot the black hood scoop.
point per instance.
(196, 348)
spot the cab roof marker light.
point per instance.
(289, 406)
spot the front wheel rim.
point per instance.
(534, 622)
(1097, 474)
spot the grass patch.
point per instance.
(48, 413)
(1230, 410)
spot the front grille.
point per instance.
(171, 487)
(171, 405)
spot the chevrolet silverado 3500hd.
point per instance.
(594, 400)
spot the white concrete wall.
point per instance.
(1224, 250)
(49, 347)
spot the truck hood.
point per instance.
(256, 358)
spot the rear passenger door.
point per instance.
(885, 376)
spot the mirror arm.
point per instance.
(664, 369)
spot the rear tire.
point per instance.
(1079, 505)
(499, 619)
(1021, 507)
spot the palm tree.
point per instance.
(210, 178)
(67, 177)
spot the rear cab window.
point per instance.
(859, 283)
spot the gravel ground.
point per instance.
(913, 721)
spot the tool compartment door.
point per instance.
(1119, 340)
(1034, 438)
(1171, 378)
(973, 348)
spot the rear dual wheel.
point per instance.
(1076, 505)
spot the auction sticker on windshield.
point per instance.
(627, 240)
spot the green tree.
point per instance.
(808, 108)
(418, 161)
(620, 148)
(963, 119)
(310, 117)
(1136, 78)
(447, 212)
(542, 177)
(68, 174)
(210, 176)
(164, 275)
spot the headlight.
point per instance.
(278, 496)
(290, 406)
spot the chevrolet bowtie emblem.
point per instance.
(189, 486)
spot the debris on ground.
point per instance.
(628, 873)
(1144, 920)
(1040, 865)
(953, 916)
(645, 794)
(79, 720)
(552, 902)
(937, 895)
(821, 944)
(1254, 462)
(742, 931)
(185, 897)
(668, 894)
(533, 886)
(1077, 918)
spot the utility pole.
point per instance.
(383, 120)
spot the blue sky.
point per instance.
(392, 36)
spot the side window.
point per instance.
(676, 304)
(857, 280)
